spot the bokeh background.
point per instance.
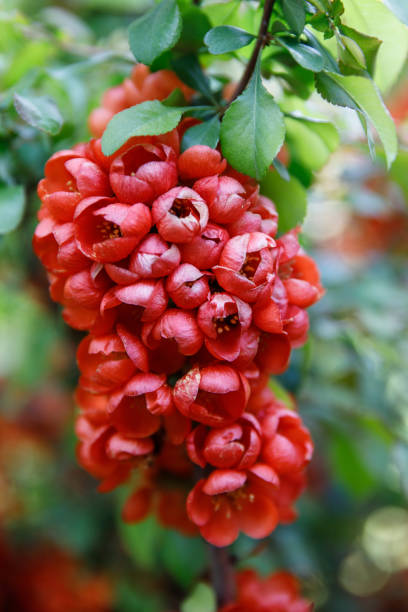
(62, 545)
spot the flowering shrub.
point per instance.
(170, 261)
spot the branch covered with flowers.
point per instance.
(171, 238)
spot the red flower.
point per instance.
(213, 395)
(223, 318)
(174, 327)
(273, 353)
(287, 446)
(85, 288)
(107, 231)
(187, 286)
(291, 487)
(226, 197)
(108, 454)
(69, 178)
(261, 217)
(204, 250)
(154, 258)
(199, 161)
(297, 325)
(103, 363)
(248, 347)
(235, 446)
(246, 263)
(279, 592)
(180, 214)
(143, 172)
(54, 244)
(230, 501)
(128, 407)
(148, 298)
(303, 286)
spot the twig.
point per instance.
(222, 575)
(260, 43)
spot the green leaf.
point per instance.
(183, 557)
(155, 32)
(224, 39)
(190, 72)
(329, 62)
(336, 8)
(195, 26)
(368, 44)
(206, 133)
(311, 141)
(350, 54)
(361, 94)
(374, 19)
(320, 22)
(252, 129)
(398, 172)
(202, 599)
(399, 8)
(281, 169)
(306, 56)
(146, 119)
(12, 203)
(289, 198)
(295, 14)
(175, 98)
(348, 464)
(40, 112)
(281, 394)
(142, 541)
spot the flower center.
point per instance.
(235, 498)
(109, 230)
(285, 270)
(226, 323)
(250, 265)
(183, 208)
(71, 186)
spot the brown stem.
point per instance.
(260, 43)
(222, 575)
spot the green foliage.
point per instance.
(311, 141)
(206, 133)
(146, 119)
(305, 55)
(184, 558)
(295, 14)
(202, 599)
(12, 202)
(255, 119)
(188, 68)
(368, 46)
(155, 32)
(372, 18)
(195, 25)
(224, 39)
(289, 198)
(40, 112)
(361, 94)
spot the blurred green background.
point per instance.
(350, 544)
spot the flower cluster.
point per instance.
(279, 592)
(48, 579)
(170, 261)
